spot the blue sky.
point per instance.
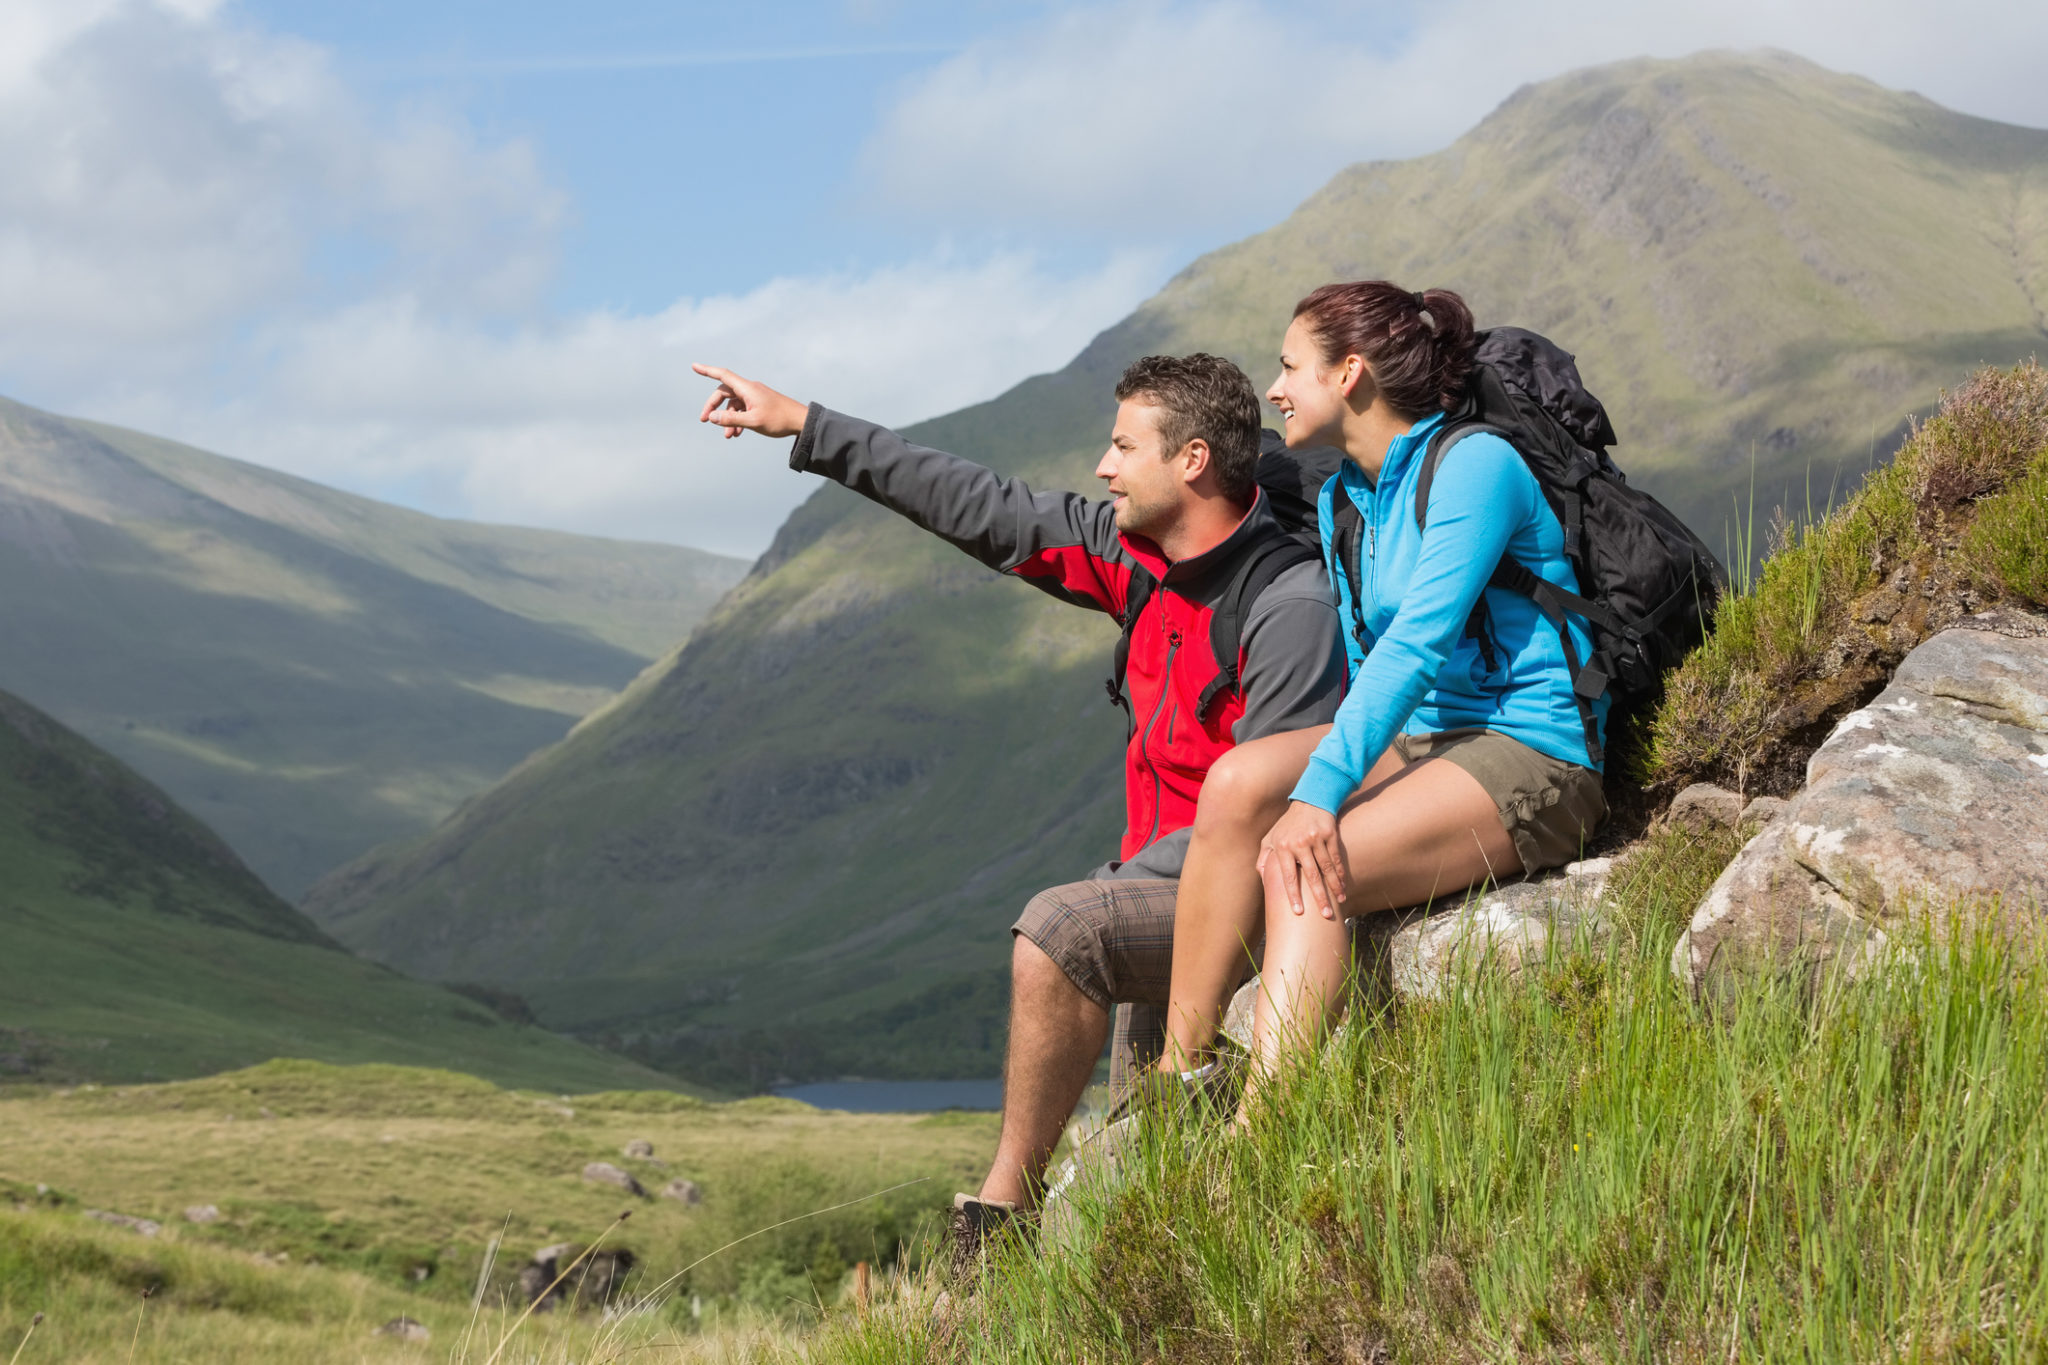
(461, 255)
(633, 110)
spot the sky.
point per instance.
(460, 255)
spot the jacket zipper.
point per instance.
(1145, 741)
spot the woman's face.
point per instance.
(1309, 393)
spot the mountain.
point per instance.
(311, 673)
(138, 947)
(793, 846)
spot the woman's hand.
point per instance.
(742, 405)
(1301, 850)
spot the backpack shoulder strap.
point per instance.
(1260, 568)
(1137, 593)
(1347, 552)
(1440, 445)
(1588, 678)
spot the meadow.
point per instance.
(349, 1196)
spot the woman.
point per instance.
(1454, 760)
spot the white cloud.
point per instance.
(591, 424)
(204, 233)
(170, 175)
(1145, 118)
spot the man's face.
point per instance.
(1147, 485)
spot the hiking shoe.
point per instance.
(975, 1222)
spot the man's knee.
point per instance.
(1034, 973)
(1062, 944)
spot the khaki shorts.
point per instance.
(1549, 807)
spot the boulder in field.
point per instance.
(604, 1173)
(202, 1213)
(555, 1277)
(405, 1329)
(640, 1149)
(683, 1191)
(1936, 790)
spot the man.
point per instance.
(1186, 526)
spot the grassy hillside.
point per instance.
(138, 947)
(337, 1187)
(310, 672)
(1581, 1164)
(792, 847)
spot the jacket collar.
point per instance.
(1256, 524)
(1400, 455)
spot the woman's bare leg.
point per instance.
(1217, 915)
(1423, 833)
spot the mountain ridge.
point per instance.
(139, 947)
(313, 671)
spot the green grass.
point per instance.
(1579, 1164)
(820, 814)
(2007, 546)
(337, 1186)
(1956, 520)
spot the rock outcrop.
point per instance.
(148, 1227)
(1704, 806)
(1936, 790)
(1502, 928)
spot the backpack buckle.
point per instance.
(1594, 677)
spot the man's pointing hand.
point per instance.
(742, 405)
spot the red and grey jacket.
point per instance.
(1290, 671)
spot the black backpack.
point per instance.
(1650, 584)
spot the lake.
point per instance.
(897, 1097)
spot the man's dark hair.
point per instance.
(1202, 397)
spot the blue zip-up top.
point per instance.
(1416, 671)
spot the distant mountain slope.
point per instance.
(138, 947)
(794, 846)
(312, 673)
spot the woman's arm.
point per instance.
(1482, 492)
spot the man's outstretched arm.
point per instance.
(1061, 542)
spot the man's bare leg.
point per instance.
(1056, 1033)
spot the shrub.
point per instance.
(1954, 521)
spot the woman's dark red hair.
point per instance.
(1418, 346)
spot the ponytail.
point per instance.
(1419, 346)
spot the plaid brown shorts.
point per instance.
(1114, 941)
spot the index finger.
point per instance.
(719, 396)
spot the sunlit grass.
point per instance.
(1580, 1164)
